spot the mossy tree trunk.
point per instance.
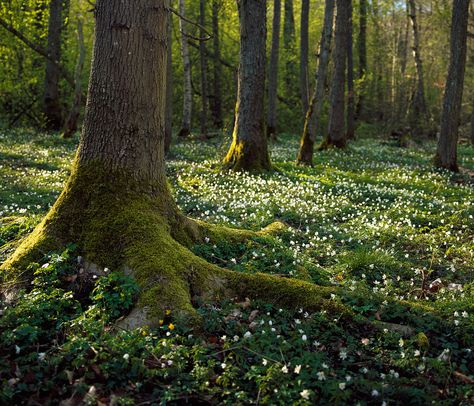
(336, 135)
(273, 72)
(249, 149)
(116, 204)
(446, 154)
(313, 116)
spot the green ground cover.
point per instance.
(377, 222)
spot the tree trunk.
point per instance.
(116, 204)
(336, 135)
(446, 154)
(249, 149)
(472, 126)
(401, 107)
(419, 112)
(273, 72)
(71, 122)
(350, 133)
(304, 49)
(217, 68)
(203, 60)
(312, 126)
(289, 47)
(51, 98)
(169, 91)
(187, 88)
(362, 45)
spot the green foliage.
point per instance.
(377, 210)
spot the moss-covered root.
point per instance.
(216, 233)
(288, 293)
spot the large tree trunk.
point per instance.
(217, 67)
(71, 123)
(51, 98)
(289, 48)
(419, 112)
(446, 154)
(203, 59)
(362, 46)
(312, 126)
(187, 88)
(116, 204)
(336, 135)
(273, 72)
(169, 92)
(304, 49)
(249, 150)
(350, 121)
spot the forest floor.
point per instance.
(377, 222)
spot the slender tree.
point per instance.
(312, 126)
(350, 120)
(289, 48)
(362, 48)
(216, 105)
(419, 111)
(187, 88)
(304, 49)
(116, 204)
(203, 59)
(446, 153)
(273, 71)
(71, 123)
(249, 150)
(51, 99)
(336, 135)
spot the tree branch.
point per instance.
(40, 50)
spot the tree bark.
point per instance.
(350, 121)
(187, 88)
(217, 68)
(289, 47)
(336, 135)
(446, 154)
(419, 111)
(116, 204)
(304, 49)
(51, 97)
(273, 72)
(73, 118)
(203, 60)
(312, 126)
(362, 47)
(169, 91)
(249, 150)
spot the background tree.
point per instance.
(350, 120)
(313, 116)
(273, 71)
(203, 59)
(51, 99)
(216, 105)
(289, 48)
(419, 111)
(362, 48)
(304, 49)
(187, 89)
(249, 150)
(446, 154)
(336, 135)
